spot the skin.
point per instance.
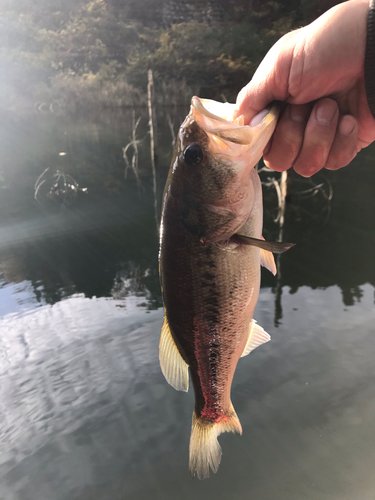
(318, 74)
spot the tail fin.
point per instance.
(205, 451)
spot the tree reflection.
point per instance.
(329, 232)
(106, 243)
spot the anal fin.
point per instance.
(173, 366)
(257, 337)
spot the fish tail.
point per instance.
(205, 451)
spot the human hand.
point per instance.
(318, 71)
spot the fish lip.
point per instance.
(197, 106)
(217, 121)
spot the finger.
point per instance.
(344, 147)
(319, 135)
(361, 144)
(288, 137)
(270, 81)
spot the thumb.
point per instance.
(270, 81)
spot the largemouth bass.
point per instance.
(211, 249)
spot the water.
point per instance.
(85, 412)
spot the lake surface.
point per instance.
(85, 413)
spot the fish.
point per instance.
(211, 250)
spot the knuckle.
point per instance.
(341, 155)
(311, 161)
(337, 163)
(306, 170)
(280, 157)
(276, 165)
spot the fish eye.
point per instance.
(193, 154)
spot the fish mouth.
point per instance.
(218, 111)
(216, 119)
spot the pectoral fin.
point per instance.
(267, 260)
(257, 337)
(270, 246)
(266, 249)
(174, 368)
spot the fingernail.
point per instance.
(346, 126)
(259, 117)
(296, 113)
(325, 112)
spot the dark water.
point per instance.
(84, 410)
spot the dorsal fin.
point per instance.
(257, 337)
(173, 366)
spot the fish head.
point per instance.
(213, 162)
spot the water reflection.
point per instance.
(110, 230)
(73, 387)
(56, 190)
(85, 412)
(335, 240)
